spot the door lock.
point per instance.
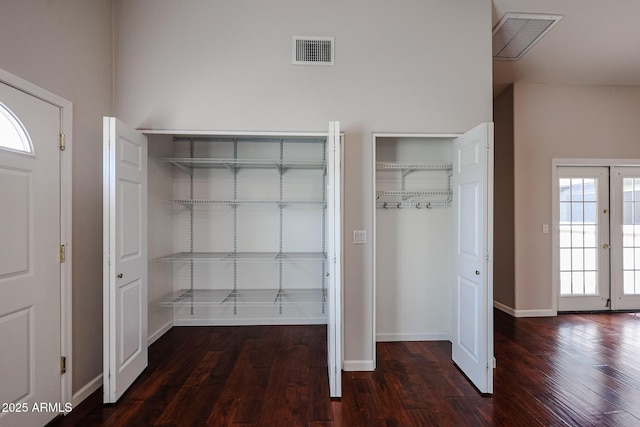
(120, 276)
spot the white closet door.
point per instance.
(472, 185)
(125, 257)
(334, 255)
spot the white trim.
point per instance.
(374, 262)
(359, 365)
(555, 268)
(535, 313)
(504, 308)
(187, 133)
(414, 135)
(66, 127)
(594, 162)
(252, 321)
(86, 391)
(160, 332)
(342, 251)
(428, 336)
(524, 313)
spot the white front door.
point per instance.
(472, 186)
(29, 258)
(125, 257)
(334, 255)
(583, 238)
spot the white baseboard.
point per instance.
(524, 313)
(252, 321)
(160, 332)
(428, 336)
(358, 365)
(504, 308)
(87, 390)
(536, 313)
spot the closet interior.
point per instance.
(237, 229)
(413, 243)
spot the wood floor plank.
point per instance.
(569, 370)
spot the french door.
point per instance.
(598, 238)
(625, 238)
(583, 238)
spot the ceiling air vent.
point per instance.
(516, 33)
(313, 50)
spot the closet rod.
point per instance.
(415, 205)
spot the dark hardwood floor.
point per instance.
(570, 370)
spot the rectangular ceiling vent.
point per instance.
(516, 33)
(313, 50)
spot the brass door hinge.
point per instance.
(63, 365)
(62, 143)
(62, 253)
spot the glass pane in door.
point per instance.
(578, 236)
(631, 236)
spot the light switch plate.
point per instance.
(359, 237)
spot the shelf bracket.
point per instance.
(232, 295)
(183, 168)
(278, 296)
(186, 205)
(232, 169)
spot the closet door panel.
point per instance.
(472, 332)
(125, 249)
(334, 256)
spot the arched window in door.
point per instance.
(13, 135)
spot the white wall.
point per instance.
(503, 201)
(413, 246)
(560, 121)
(421, 66)
(160, 243)
(64, 46)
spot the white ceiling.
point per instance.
(597, 42)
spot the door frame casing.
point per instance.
(555, 164)
(66, 128)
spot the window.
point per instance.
(578, 236)
(631, 235)
(13, 136)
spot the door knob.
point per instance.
(606, 246)
(120, 276)
(477, 272)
